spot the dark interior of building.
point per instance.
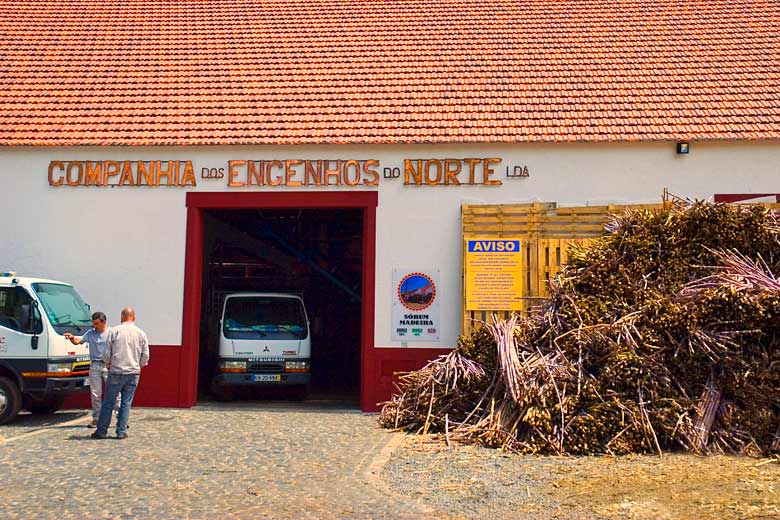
(314, 253)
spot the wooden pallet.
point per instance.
(546, 232)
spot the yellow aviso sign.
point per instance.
(494, 275)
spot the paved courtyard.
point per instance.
(304, 460)
(240, 461)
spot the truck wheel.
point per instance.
(45, 406)
(10, 400)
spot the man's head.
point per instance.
(128, 314)
(99, 321)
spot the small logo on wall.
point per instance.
(417, 291)
(415, 305)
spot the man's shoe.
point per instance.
(93, 424)
(121, 436)
(96, 436)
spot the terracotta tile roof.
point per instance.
(138, 72)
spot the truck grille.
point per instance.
(265, 367)
(81, 367)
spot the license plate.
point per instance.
(266, 377)
(86, 381)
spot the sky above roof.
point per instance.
(167, 72)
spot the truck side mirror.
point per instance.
(37, 324)
(37, 320)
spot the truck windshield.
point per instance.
(264, 317)
(66, 310)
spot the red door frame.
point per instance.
(197, 202)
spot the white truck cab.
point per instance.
(264, 340)
(38, 366)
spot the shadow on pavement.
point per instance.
(85, 437)
(28, 421)
(281, 406)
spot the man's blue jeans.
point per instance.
(117, 384)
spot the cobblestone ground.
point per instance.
(214, 461)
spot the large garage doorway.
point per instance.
(319, 246)
(313, 253)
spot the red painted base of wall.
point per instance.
(159, 384)
(77, 402)
(383, 367)
(740, 197)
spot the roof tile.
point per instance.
(154, 72)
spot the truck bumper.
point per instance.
(247, 380)
(55, 386)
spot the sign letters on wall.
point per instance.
(283, 173)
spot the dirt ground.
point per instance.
(477, 482)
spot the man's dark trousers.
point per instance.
(117, 384)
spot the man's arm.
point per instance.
(144, 349)
(109, 347)
(73, 339)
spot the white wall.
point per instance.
(125, 246)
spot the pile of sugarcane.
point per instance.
(664, 334)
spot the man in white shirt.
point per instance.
(127, 350)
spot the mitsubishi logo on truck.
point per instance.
(265, 349)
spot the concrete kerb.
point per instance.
(372, 474)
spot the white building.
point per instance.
(319, 146)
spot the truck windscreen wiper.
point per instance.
(295, 329)
(261, 332)
(57, 320)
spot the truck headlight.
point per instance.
(226, 365)
(59, 367)
(296, 366)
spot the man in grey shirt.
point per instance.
(127, 350)
(96, 338)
